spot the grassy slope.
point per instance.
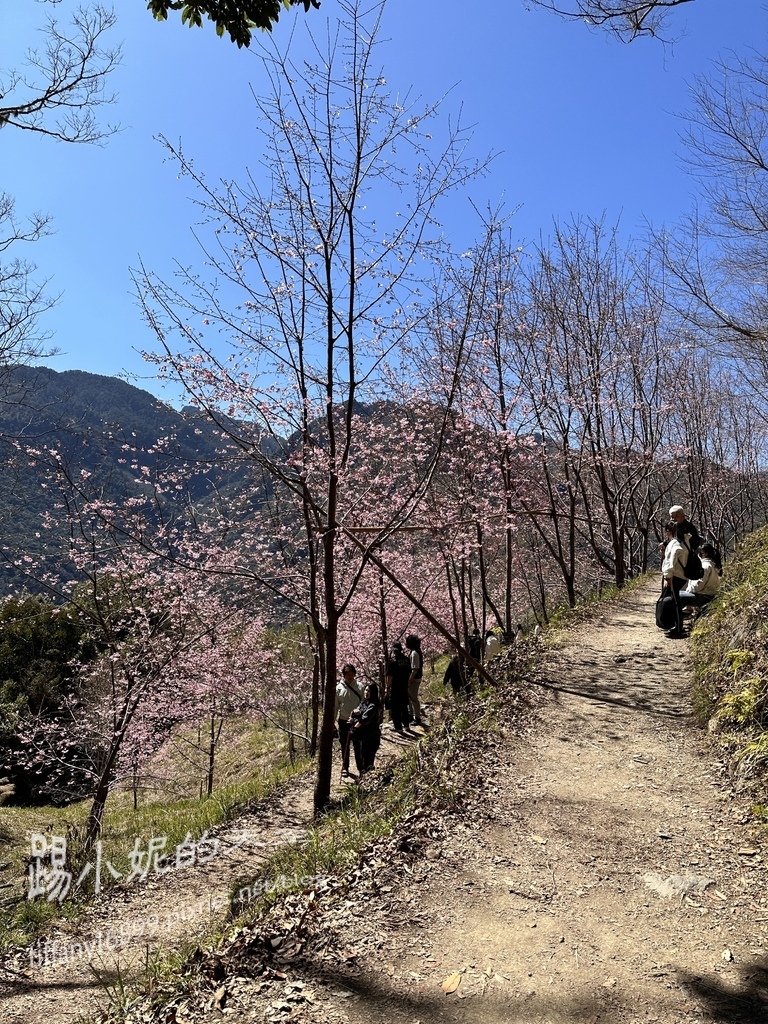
(730, 647)
(253, 761)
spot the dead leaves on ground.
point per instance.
(467, 983)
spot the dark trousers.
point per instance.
(678, 585)
(344, 740)
(694, 600)
(398, 704)
(365, 749)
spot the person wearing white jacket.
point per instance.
(700, 592)
(673, 572)
(348, 697)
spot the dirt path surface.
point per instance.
(606, 872)
(598, 867)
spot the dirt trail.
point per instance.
(549, 900)
(600, 869)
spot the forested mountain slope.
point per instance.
(103, 427)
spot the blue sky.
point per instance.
(583, 125)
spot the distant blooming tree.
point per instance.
(235, 668)
(145, 591)
(145, 620)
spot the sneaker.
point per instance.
(417, 721)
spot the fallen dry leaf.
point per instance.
(452, 982)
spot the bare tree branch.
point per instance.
(58, 87)
(625, 19)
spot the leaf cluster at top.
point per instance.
(237, 17)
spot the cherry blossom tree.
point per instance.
(145, 588)
(143, 618)
(308, 299)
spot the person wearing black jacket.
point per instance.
(453, 675)
(687, 533)
(398, 672)
(365, 731)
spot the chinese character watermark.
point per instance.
(50, 877)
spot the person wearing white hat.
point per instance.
(686, 532)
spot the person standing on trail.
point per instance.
(492, 645)
(475, 648)
(348, 696)
(458, 680)
(686, 532)
(365, 731)
(398, 673)
(673, 573)
(413, 646)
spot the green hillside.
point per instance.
(102, 426)
(730, 647)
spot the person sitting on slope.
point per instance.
(698, 593)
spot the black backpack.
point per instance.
(693, 570)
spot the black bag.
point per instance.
(666, 616)
(693, 570)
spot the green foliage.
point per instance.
(730, 647)
(38, 642)
(238, 17)
(754, 756)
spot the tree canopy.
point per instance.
(238, 17)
